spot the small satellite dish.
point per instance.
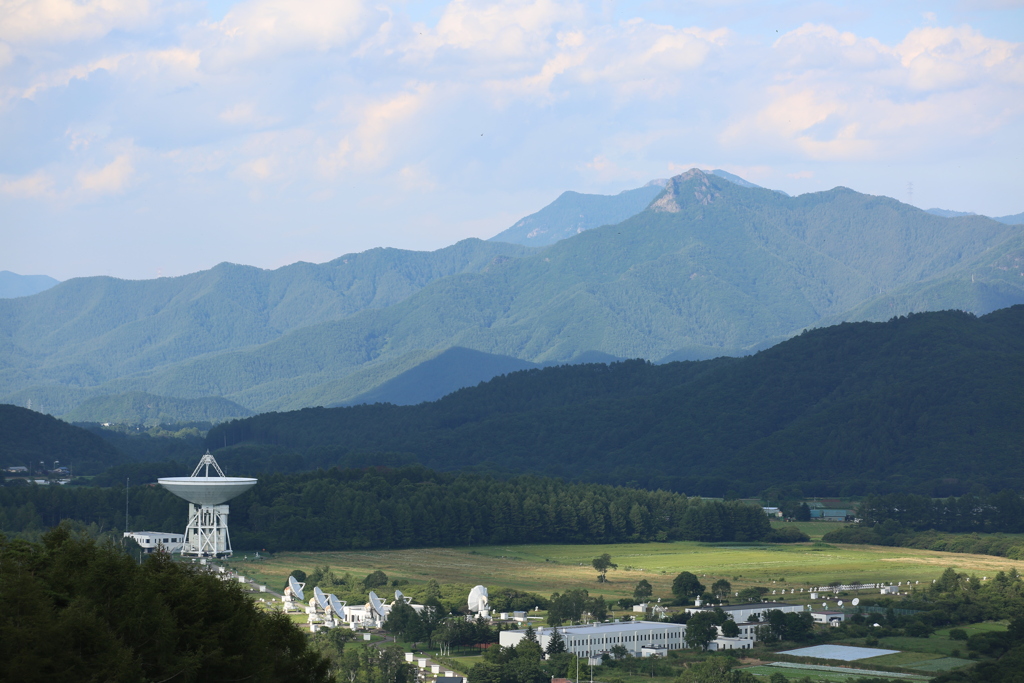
(856, 601)
(376, 604)
(296, 589)
(824, 604)
(398, 596)
(321, 599)
(337, 606)
(840, 603)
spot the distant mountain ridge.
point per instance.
(710, 267)
(13, 285)
(928, 402)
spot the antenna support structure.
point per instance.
(206, 535)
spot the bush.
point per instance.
(957, 634)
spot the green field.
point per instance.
(815, 675)
(548, 568)
(813, 529)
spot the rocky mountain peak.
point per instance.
(679, 187)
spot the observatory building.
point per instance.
(207, 531)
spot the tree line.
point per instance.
(402, 508)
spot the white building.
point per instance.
(830, 617)
(593, 640)
(151, 540)
(750, 611)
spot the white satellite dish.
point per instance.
(856, 601)
(376, 604)
(296, 589)
(321, 599)
(337, 606)
(478, 600)
(840, 603)
(824, 604)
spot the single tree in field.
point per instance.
(602, 565)
(642, 591)
(686, 585)
(721, 589)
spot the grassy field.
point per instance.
(813, 529)
(815, 675)
(548, 568)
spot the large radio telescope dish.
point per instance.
(204, 489)
(321, 599)
(296, 589)
(478, 600)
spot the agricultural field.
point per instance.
(813, 529)
(547, 568)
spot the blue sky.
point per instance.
(146, 138)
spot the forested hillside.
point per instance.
(403, 508)
(709, 268)
(89, 331)
(929, 402)
(28, 438)
(136, 408)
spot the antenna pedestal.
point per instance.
(207, 532)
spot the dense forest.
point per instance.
(401, 508)
(929, 403)
(74, 610)
(30, 438)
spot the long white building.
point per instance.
(592, 640)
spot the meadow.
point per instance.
(548, 568)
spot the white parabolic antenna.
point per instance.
(296, 589)
(399, 597)
(207, 490)
(207, 532)
(478, 599)
(376, 604)
(336, 604)
(856, 601)
(321, 599)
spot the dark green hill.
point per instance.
(574, 212)
(930, 402)
(139, 408)
(28, 438)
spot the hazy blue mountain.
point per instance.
(88, 331)
(946, 213)
(574, 212)
(710, 267)
(13, 285)
(142, 408)
(1015, 219)
(448, 371)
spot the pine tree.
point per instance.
(556, 644)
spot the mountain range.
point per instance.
(711, 266)
(13, 285)
(929, 402)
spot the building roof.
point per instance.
(584, 629)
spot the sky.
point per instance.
(144, 139)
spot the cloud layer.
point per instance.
(280, 130)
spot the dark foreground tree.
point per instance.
(74, 610)
(687, 585)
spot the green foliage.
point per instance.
(137, 407)
(643, 590)
(73, 610)
(715, 670)
(570, 606)
(30, 438)
(602, 565)
(700, 630)
(909, 404)
(686, 585)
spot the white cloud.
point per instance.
(264, 28)
(35, 185)
(112, 178)
(57, 21)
